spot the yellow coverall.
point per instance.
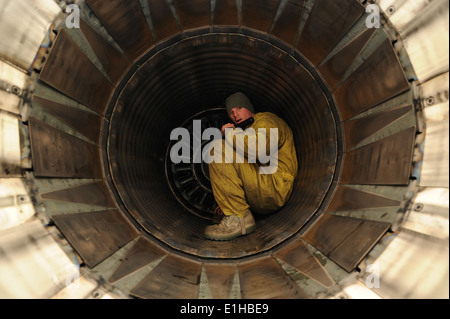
(239, 187)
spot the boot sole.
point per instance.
(249, 230)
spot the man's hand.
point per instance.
(229, 125)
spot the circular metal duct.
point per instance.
(197, 74)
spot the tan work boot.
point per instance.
(231, 227)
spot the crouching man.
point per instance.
(254, 168)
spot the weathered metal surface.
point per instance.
(334, 69)
(12, 83)
(194, 75)
(94, 194)
(345, 240)
(114, 62)
(96, 235)
(58, 154)
(141, 254)
(21, 41)
(173, 278)
(435, 165)
(361, 91)
(385, 162)
(70, 71)
(126, 23)
(10, 152)
(220, 279)
(298, 256)
(16, 205)
(287, 24)
(347, 198)
(426, 39)
(327, 24)
(32, 264)
(193, 14)
(163, 21)
(259, 14)
(356, 131)
(86, 123)
(265, 279)
(226, 13)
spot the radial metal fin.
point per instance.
(220, 279)
(126, 23)
(163, 21)
(141, 254)
(360, 92)
(345, 240)
(86, 123)
(385, 162)
(70, 71)
(193, 13)
(226, 13)
(58, 154)
(287, 24)
(259, 15)
(96, 235)
(298, 256)
(93, 193)
(265, 279)
(334, 69)
(347, 198)
(356, 131)
(173, 278)
(327, 24)
(114, 62)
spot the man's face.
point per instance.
(240, 114)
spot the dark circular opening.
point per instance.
(190, 182)
(187, 79)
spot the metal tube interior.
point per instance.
(196, 74)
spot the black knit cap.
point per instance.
(239, 99)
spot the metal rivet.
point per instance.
(430, 100)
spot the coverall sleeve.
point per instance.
(254, 137)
